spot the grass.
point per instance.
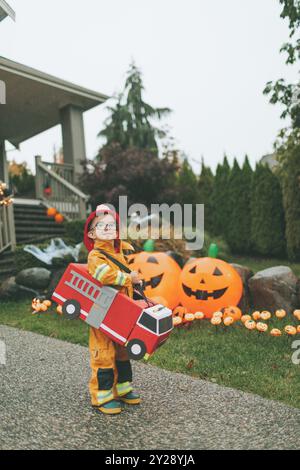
(235, 357)
(257, 264)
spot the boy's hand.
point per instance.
(135, 279)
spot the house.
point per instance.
(34, 102)
(6, 10)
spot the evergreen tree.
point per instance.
(130, 123)
(205, 191)
(289, 172)
(267, 215)
(219, 198)
(187, 185)
(237, 232)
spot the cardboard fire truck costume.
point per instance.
(137, 324)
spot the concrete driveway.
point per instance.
(45, 405)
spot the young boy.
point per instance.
(111, 378)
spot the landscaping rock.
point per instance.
(35, 278)
(274, 288)
(10, 290)
(245, 274)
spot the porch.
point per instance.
(35, 102)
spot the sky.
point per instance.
(206, 60)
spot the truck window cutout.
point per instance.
(148, 322)
(165, 324)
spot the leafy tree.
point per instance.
(21, 179)
(137, 173)
(130, 123)
(205, 191)
(281, 92)
(267, 214)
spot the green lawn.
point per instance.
(257, 264)
(249, 361)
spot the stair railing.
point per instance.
(7, 228)
(63, 195)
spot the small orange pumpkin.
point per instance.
(296, 314)
(59, 310)
(189, 317)
(177, 321)
(233, 312)
(280, 313)
(262, 327)
(59, 218)
(179, 311)
(298, 329)
(51, 212)
(265, 315)
(218, 314)
(256, 315)
(199, 315)
(290, 330)
(228, 321)
(245, 318)
(216, 321)
(275, 332)
(250, 325)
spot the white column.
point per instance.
(73, 138)
(3, 163)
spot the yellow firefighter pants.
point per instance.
(111, 368)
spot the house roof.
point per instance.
(6, 10)
(34, 100)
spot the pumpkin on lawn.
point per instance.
(160, 275)
(209, 284)
(233, 312)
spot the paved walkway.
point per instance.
(45, 405)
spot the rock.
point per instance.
(35, 278)
(245, 274)
(274, 288)
(10, 290)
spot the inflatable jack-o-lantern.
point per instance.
(160, 275)
(209, 284)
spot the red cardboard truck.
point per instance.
(140, 325)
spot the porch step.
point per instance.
(7, 267)
(32, 223)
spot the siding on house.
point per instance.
(6, 10)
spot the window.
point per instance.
(165, 324)
(148, 322)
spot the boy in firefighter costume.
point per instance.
(111, 379)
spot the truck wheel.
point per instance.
(71, 309)
(136, 349)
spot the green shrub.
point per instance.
(24, 260)
(74, 230)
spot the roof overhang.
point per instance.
(6, 10)
(34, 100)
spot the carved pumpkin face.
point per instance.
(233, 312)
(208, 285)
(160, 274)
